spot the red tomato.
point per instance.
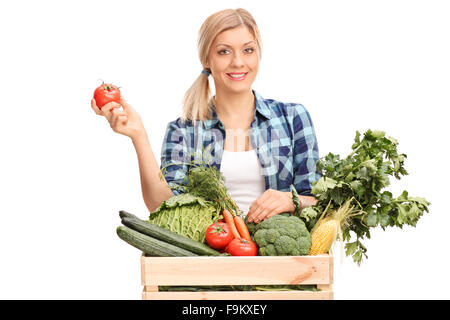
(106, 93)
(242, 247)
(218, 235)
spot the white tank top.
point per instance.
(243, 177)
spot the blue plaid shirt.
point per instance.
(282, 134)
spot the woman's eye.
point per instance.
(226, 51)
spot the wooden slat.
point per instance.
(143, 259)
(236, 270)
(331, 268)
(241, 295)
(151, 288)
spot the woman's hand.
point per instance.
(126, 121)
(270, 203)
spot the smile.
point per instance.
(237, 76)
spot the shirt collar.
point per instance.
(261, 107)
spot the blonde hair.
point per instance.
(196, 102)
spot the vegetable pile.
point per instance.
(351, 199)
(205, 181)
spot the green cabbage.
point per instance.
(186, 215)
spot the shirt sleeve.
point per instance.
(306, 152)
(174, 156)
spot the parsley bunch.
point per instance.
(362, 177)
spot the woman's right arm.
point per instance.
(154, 189)
(128, 122)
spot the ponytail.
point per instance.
(196, 104)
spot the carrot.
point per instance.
(242, 228)
(229, 220)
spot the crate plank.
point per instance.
(239, 295)
(236, 270)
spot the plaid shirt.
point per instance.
(282, 134)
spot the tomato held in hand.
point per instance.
(218, 235)
(242, 247)
(106, 93)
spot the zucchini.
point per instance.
(149, 245)
(168, 236)
(123, 214)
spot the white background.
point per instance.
(65, 174)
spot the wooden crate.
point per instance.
(192, 271)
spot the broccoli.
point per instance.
(281, 235)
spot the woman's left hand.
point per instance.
(270, 203)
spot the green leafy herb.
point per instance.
(364, 174)
(204, 180)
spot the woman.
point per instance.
(261, 146)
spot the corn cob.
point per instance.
(328, 228)
(323, 236)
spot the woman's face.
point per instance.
(234, 60)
